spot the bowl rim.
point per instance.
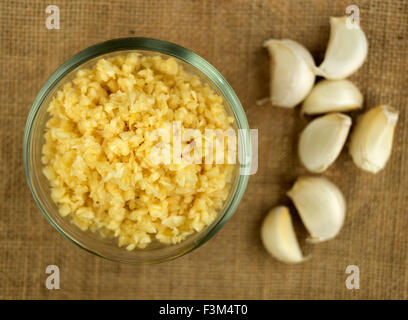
(171, 49)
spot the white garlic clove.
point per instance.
(371, 140)
(278, 236)
(322, 140)
(292, 72)
(346, 51)
(332, 96)
(321, 206)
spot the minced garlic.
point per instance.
(97, 151)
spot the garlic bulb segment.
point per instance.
(332, 96)
(371, 140)
(278, 236)
(292, 72)
(321, 206)
(346, 50)
(322, 140)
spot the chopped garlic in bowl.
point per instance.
(100, 143)
(97, 151)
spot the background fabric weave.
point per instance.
(233, 265)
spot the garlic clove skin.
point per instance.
(292, 72)
(322, 140)
(371, 140)
(346, 51)
(321, 206)
(278, 236)
(332, 96)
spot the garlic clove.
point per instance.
(321, 141)
(346, 50)
(321, 206)
(292, 72)
(278, 236)
(371, 140)
(332, 96)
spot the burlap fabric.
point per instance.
(233, 265)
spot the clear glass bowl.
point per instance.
(33, 141)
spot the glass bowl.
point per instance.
(33, 141)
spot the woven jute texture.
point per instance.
(232, 265)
